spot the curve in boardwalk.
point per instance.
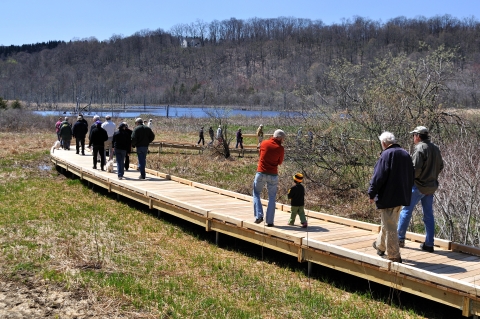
(448, 276)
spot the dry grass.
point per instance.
(143, 267)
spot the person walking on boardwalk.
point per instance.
(129, 151)
(260, 135)
(109, 126)
(57, 129)
(122, 141)
(142, 136)
(211, 133)
(201, 137)
(390, 188)
(66, 134)
(296, 194)
(80, 130)
(271, 155)
(98, 137)
(239, 138)
(428, 163)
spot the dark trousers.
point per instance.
(201, 140)
(98, 150)
(239, 142)
(127, 162)
(78, 142)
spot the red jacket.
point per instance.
(271, 155)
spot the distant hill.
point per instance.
(6, 51)
(270, 63)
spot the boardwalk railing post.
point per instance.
(309, 268)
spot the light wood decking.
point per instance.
(450, 275)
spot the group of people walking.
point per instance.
(104, 136)
(398, 183)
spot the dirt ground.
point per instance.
(24, 297)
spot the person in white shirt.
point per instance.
(109, 126)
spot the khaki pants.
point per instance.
(387, 239)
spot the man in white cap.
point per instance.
(142, 136)
(271, 155)
(427, 163)
(110, 127)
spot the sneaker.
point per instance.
(94, 167)
(141, 177)
(401, 243)
(304, 225)
(120, 177)
(379, 252)
(269, 225)
(426, 248)
(395, 260)
(258, 220)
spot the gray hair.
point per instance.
(279, 134)
(387, 138)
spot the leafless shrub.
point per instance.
(457, 202)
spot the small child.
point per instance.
(296, 194)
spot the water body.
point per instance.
(173, 111)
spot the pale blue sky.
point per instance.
(31, 21)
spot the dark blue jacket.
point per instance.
(122, 140)
(80, 130)
(392, 180)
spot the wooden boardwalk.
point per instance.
(450, 275)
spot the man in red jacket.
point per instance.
(271, 155)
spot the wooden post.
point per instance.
(309, 268)
(217, 237)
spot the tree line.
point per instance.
(254, 62)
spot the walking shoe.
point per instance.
(290, 224)
(401, 243)
(269, 225)
(304, 225)
(141, 177)
(426, 248)
(379, 252)
(258, 220)
(94, 167)
(395, 260)
(120, 177)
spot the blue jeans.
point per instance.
(428, 219)
(142, 159)
(258, 184)
(120, 156)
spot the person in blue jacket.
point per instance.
(390, 189)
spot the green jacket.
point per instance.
(142, 135)
(428, 163)
(66, 130)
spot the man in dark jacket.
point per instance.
(142, 136)
(201, 137)
(390, 188)
(121, 144)
(80, 130)
(428, 163)
(127, 156)
(98, 136)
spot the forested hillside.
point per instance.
(271, 63)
